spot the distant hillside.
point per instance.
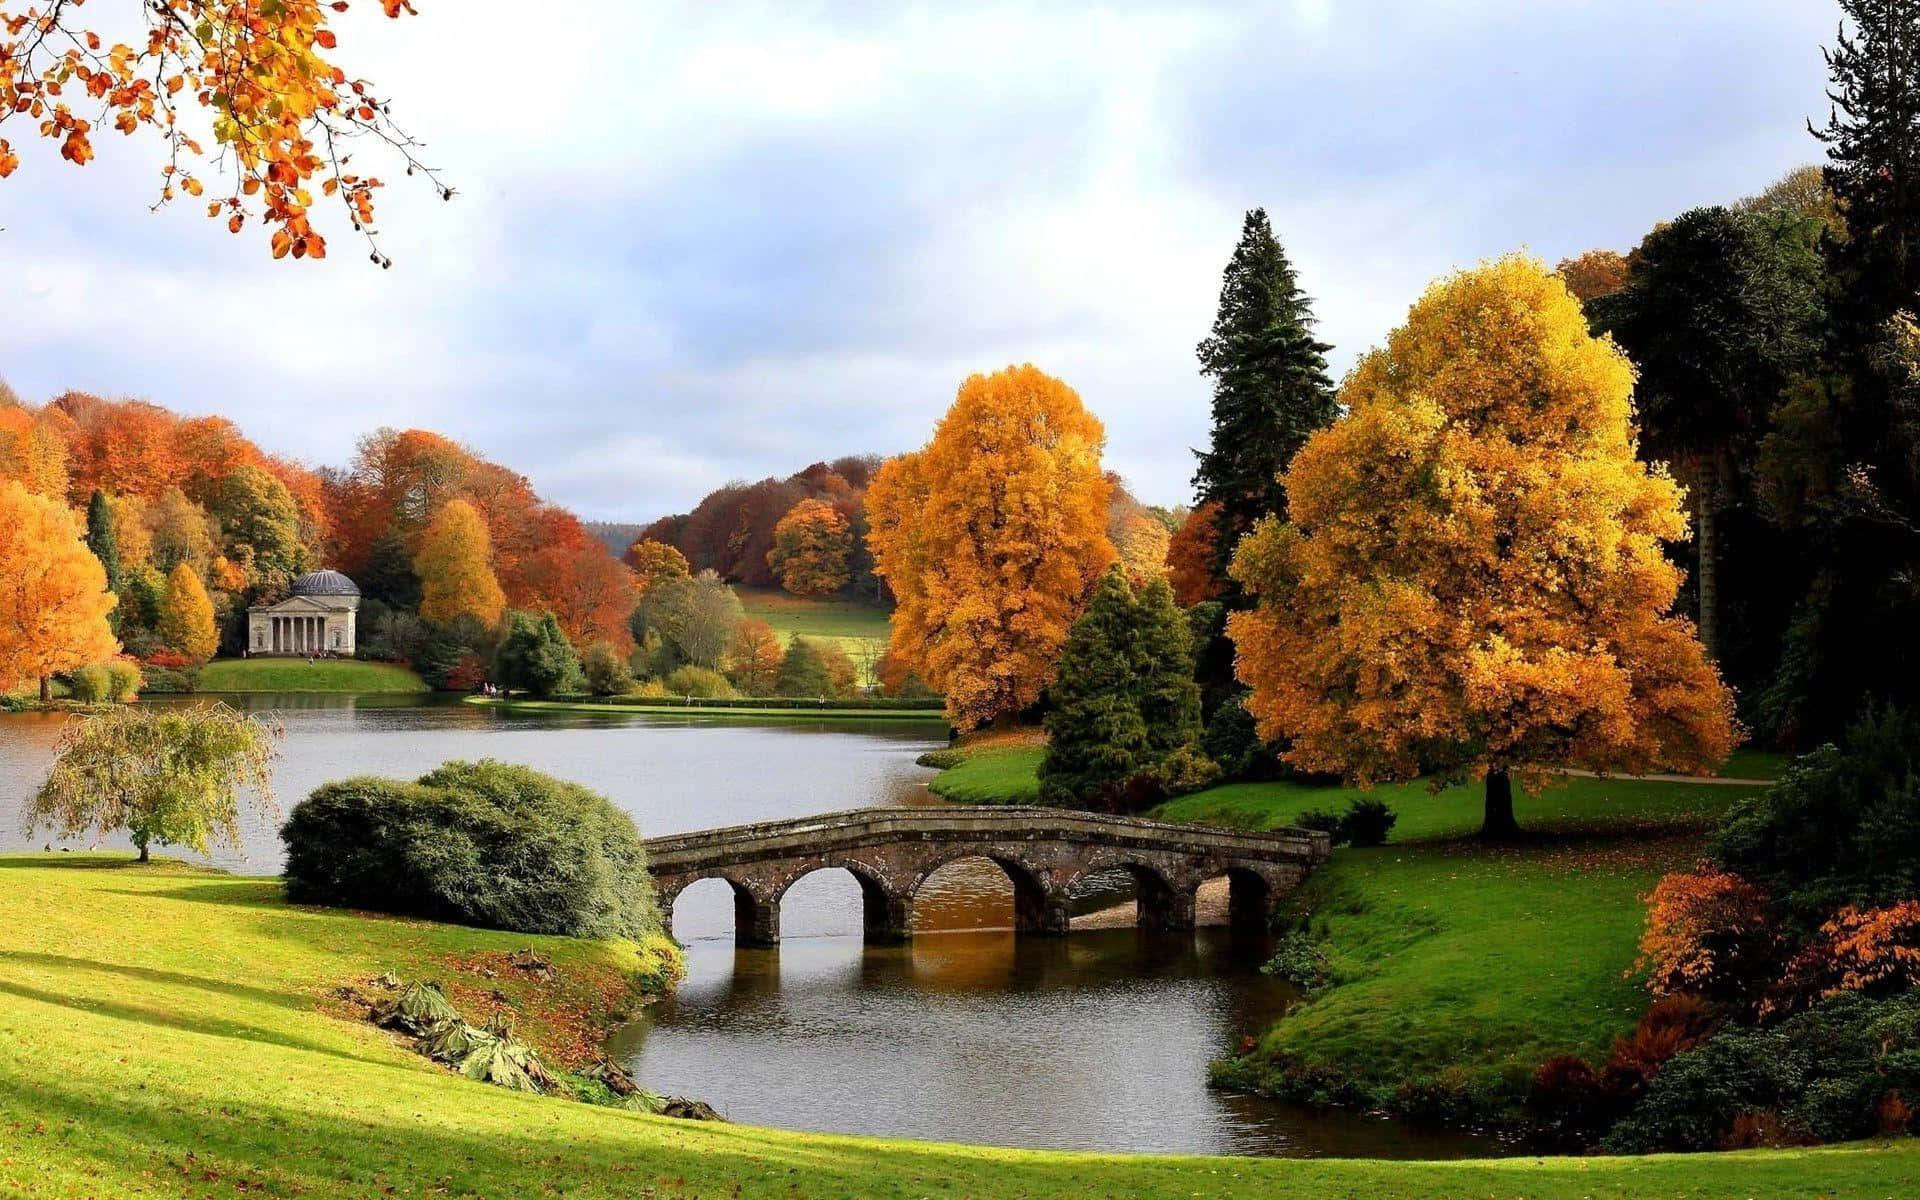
(616, 534)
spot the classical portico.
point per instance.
(317, 619)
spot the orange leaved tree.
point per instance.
(1471, 581)
(249, 87)
(455, 567)
(811, 546)
(53, 592)
(991, 538)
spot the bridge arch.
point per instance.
(756, 916)
(1164, 900)
(883, 910)
(1039, 906)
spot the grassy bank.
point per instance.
(173, 1032)
(860, 627)
(298, 675)
(932, 717)
(1457, 968)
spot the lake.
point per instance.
(1096, 1041)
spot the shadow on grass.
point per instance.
(202, 1023)
(94, 860)
(233, 892)
(277, 997)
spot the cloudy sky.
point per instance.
(710, 241)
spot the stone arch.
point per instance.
(756, 916)
(1251, 897)
(1163, 900)
(883, 914)
(1039, 906)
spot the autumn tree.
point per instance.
(1471, 581)
(991, 537)
(811, 545)
(1271, 389)
(167, 776)
(753, 658)
(455, 569)
(32, 451)
(654, 561)
(1593, 274)
(186, 616)
(255, 83)
(1139, 536)
(177, 531)
(54, 601)
(695, 618)
(1191, 557)
(257, 512)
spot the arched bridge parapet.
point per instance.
(892, 851)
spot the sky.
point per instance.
(703, 242)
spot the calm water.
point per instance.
(1097, 1041)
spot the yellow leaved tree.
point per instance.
(186, 615)
(53, 592)
(1471, 581)
(455, 566)
(991, 538)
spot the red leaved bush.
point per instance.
(1873, 950)
(1710, 933)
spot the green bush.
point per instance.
(1232, 741)
(656, 695)
(90, 684)
(124, 681)
(1300, 959)
(534, 656)
(699, 683)
(482, 843)
(606, 674)
(1367, 822)
(1822, 1074)
(1841, 827)
(172, 680)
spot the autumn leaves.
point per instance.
(260, 76)
(1468, 578)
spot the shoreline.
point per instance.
(926, 716)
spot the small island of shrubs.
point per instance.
(478, 843)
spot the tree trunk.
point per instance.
(46, 689)
(1498, 825)
(1707, 550)
(141, 842)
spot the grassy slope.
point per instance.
(1446, 953)
(297, 675)
(854, 625)
(170, 1033)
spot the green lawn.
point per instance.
(1450, 958)
(1004, 774)
(172, 1032)
(298, 675)
(859, 627)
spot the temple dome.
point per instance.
(324, 583)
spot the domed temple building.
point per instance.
(318, 618)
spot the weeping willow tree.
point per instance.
(171, 776)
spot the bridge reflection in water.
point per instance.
(1050, 855)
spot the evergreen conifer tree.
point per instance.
(1271, 389)
(535, 655)
(1125, 698)
(1873, 158)
(106, 548)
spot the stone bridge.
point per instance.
(1045, 851)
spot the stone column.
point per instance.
(1039, 912)
(755, 922)
(887, 919)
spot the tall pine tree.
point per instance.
(106, 548)
(1271, 390)
(1873, 157)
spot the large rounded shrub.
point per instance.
(482, 843)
